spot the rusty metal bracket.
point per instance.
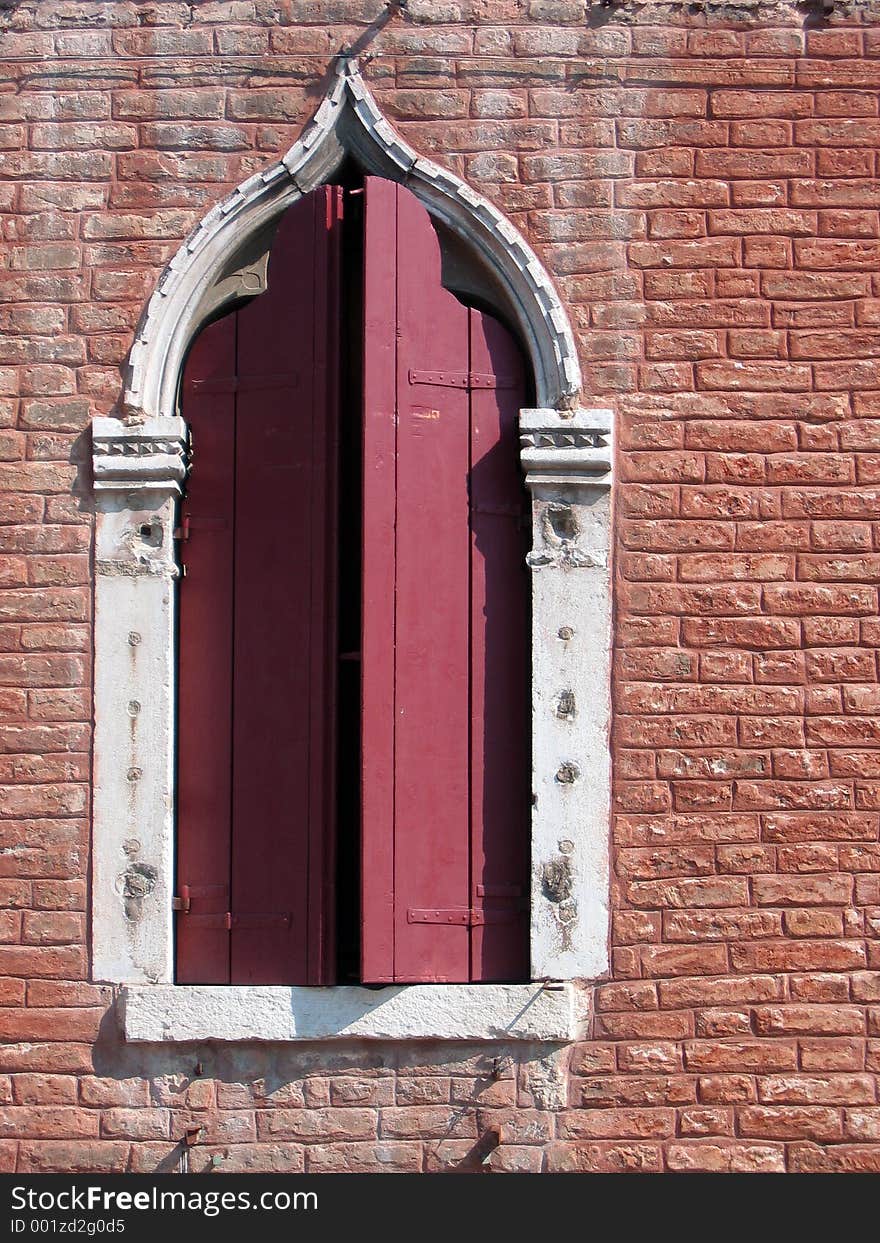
(181, 902)
(192, 522)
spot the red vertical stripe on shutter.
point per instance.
(500, 769)
(205, 657)
(378, 562)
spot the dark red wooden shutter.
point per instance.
(257, 623)
(378, 579)
(204, 752)
(445, 621)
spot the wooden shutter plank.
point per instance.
(281, 635)
(445, 623)
(378, 571)
(500, 769)
(324, 586)
(205, 659)
(272, 622)
(431, 852)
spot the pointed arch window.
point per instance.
(140, 464)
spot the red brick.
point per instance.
(72, 1157)
(44, 1089)
(616, 1123)
(47, 1122)
(845, 1158)
(697, 992)
(789, 1122)
(608, 1157)
(720, 925)
(56, 963)
(832, 1054)
(323, 1124)
(733, 1157)
(798, 956)
(35, 1024)
(711, 892)
(639, 1026)
(726, 1089)
(760, 1056)
(830, 1089)
(702, 1122)
(363, 1158)
(135, 1123)
(108, 1093)
(802, 890)
(651, 1057)
(720, 252)
(631, 1090)
(809, 1020)
(733, 162)
(683, 960)
(814, 923)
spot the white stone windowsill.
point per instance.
(553, 1013)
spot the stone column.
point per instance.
(566, 457)
(138, 472)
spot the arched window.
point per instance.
(140, 463)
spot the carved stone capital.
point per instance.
(566, 448)
(149, 456)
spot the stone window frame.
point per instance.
(140, 464)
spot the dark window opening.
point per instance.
(348, 862)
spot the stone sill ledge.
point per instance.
(552, 1013)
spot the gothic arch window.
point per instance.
(140, 465)
(353, 769)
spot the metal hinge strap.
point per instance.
(463, 916)
(461, 379)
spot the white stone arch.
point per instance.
(224, 257)
(140, 463)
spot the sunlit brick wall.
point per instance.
(704, 192)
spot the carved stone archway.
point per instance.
(225, 255)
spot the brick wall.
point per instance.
(704, 191)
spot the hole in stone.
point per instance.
(562, 521)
